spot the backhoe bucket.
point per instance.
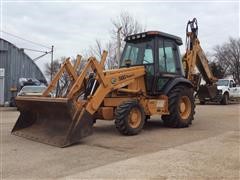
(207, 91)
(54, 121)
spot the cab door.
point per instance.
(233, 89)
(142, 53)
(149, 64)
(168, 64)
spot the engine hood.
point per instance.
(221, 87)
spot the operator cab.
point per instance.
(159, 53)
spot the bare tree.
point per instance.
(111, 58)
(65, 81)
(96, 50)
(228, 56)
(127, 25)
(124, 25)
(57, 64)
(55, 67)
(217, 70)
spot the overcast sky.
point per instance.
(73, 26)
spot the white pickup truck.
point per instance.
(227, 90)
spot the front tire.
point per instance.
(181, 108)
(130, 118)
(225, 99)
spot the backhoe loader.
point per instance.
(150, 80)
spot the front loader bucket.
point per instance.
(52, 121)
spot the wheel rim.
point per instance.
(185, 107)
(134, 119)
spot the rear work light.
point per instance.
(137, 36)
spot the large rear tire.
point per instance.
(130, 118)
(181, 107)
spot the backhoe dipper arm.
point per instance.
(195, 57)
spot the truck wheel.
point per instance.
(181, 108)
(130, 118)
(202, 102)
(225, 98)
(12, 102)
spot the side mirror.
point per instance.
(234, 85)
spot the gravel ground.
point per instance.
(207, 149)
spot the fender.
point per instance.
(176, 81)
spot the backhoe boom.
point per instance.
(196, 58)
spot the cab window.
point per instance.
(131, 54)
(166, 58)
(162, 60)
(148, 55)
(169, 55)
(138, 53)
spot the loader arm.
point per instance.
(71, 70)
(64, 120)
(108, 81)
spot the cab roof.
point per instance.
(148, 34)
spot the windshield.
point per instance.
(222, 82)
(33, 89)
(138, 53)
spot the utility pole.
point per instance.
(118, 45)
(52, 63)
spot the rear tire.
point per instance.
(181, 108)
(130, 118)
(225, 98)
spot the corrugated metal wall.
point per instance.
(17, 64)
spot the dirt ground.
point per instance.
(210, 148)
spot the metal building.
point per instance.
(15, 64)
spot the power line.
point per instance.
(34, 50)
(25, 39)
(35, 59)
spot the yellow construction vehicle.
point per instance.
(150, 81)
